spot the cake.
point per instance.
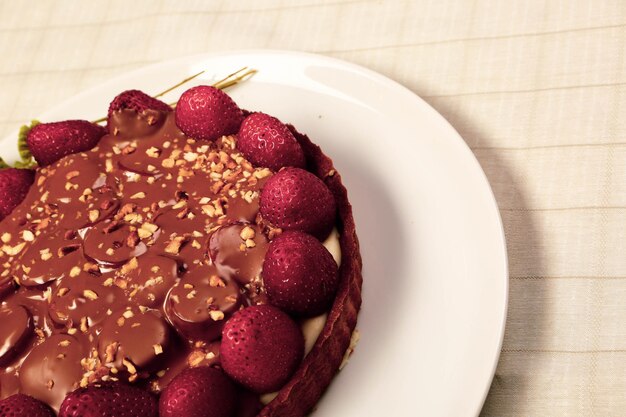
(198, 261)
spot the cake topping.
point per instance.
(113, 243)
(15, 331)
(148, 279)
(299, 274)
(53, 368)
(201, 303)
(49, 142)
(14, 185)
(140, 103)
(238, 251)
(83, 299)
(207, 113)
(133, 339)
(295, 199)
(265, 141)
(24, 405)
(110, 399)
(261, 348)
(48, 258)
(199, 392)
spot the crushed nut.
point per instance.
(28, 236)
(216, 315)
(215, 281)
(90, 295)
(247, 233)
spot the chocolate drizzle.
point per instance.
(105, 242)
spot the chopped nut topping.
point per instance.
(138, 195)
(216, 315)
(129, 266)
(93, 215)
(175, 244)
(45, 254)
(153, 152)
(110, 352)
(190, 156)
(64, 343)
(129, 366)
(13, 250)
(215, 281)
(75, 271)
(195, 358)
(158, 349)
(247, 233)
(128, 314)
(28, 236)
(6, 237)
(262, 173)
(90, 295)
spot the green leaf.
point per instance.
(27, 160)
(22, 144)
(25, 164)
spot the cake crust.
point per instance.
(319, 367)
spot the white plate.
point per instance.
(435, 266)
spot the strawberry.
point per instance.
(300, 275)
(267, 142)
(208, 113)
(14, 185)
(294, 199)
(24, 405)
(136, 100)
(261, 348)
(109, 399)
(49, 142)
(199, 392)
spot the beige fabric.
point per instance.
(536, 88)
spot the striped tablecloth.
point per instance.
(536, 87)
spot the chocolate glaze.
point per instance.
(238, 250)
(199, 305)
(16, 329)
(104, 240)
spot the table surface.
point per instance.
(536, 88)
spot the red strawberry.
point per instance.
(261, 348)
(138, 101)
(266, 142)
(22, 405)
(208, 113)
(294, 199)
(199, 392)
(49, 142)
(109, 399)
(300, 275)
(14, 185)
